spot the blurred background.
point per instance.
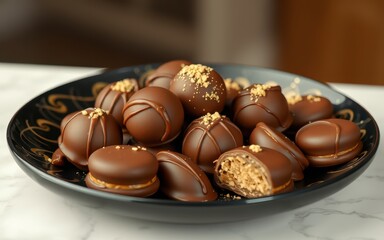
(328, 40)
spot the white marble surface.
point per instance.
(29, 211)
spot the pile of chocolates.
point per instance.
(189, 134)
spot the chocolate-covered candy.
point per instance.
(233, 89)
(153, 116)
(254, 171)
(86, 131)
(308, 108)
(207, 137)
(200, 89)
(113, 97)
(266, 136)
(261, 103)
(123, 169)
(162, 76)
(329, 142)
(182, 179)
(58, 158)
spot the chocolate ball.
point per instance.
(233, 89)
(329, 142)
(123, 169)
(182, 179)
(163, 75)
(207, 137)
(309, 108)
(264, 136)
(200, 89)
(253, 171)
(261, 103)
(113, 97)
(153, 116)
(85, 132)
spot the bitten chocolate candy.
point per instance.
(309, 108)
(86, 131)
(268, 137)
(207, 137)
(163, 75)
(252, 171)
(261, 103)
(113, 97)
(329, 142)
(123, 169)
(153, 116)
(182, 179)
(200, 89)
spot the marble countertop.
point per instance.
(29, 211)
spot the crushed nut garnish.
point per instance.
(96, 113)
(197, 73)
(258, 90)
(293, 99)
(255, 148)
(125, 85)
(312, 98)
(209, 118)
(230, 84)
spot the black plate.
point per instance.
(33, 131)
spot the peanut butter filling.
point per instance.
(103, 184)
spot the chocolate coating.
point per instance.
(200, 89)
(182, 179)
(113, 97)
(268, 137)
(252, 171)
(233, 89)
(207, 137)
(329, 142)
(85, 132)
(261, 103)
(123, 169)
(309, 108)
(153, 116)
(163, 75)
(58, 158)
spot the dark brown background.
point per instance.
(328, 40)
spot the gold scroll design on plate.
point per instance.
(36, 133)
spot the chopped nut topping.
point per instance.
(135, 148)
(230, 84)
(258, 90)
(293, 98)
(125, 85)
(255, 148)
(97, 112)
(84, 112)
(209, 118)
(197, 73)
(312, 98)
(211, 96)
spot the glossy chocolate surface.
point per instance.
(329, 142)
(309, 108)
(261, 103)
(113, 97)
(207, 137)
(266, 136)
(182, 179)
(153, 116)
(254, 171)
(200, 89)
(123, 169)
(233, 89)
(85, 132)
(162, 76)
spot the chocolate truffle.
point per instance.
(308, 108)
(261, 103)
(85, 132)
(113, 97)
(207, 137)
(153, 116)
(123, 169)
(233, 89)
(268, 137)
(200, 89)
(162, 76)
(252, 171)
(182, 179)
(329, 142)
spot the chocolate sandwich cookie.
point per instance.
(123, 169)
(163, 75)
(153, 116)
(261, 103)
(200, 89)
(329, 142)
(84, 132)
(266, 136)
(253, 171)
(207, 137)
(182, 179)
